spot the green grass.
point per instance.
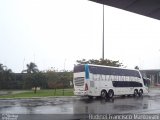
(41, 93)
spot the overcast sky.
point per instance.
(56, 33)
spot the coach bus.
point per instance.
(97, 80)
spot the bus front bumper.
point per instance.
(80, 93)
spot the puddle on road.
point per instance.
(67, 109)
(36, 107)
(62, 109)
(118, 105)
(78, 106)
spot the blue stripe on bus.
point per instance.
(86, 71)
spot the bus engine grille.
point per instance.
(79, 81)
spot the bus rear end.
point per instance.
(79, 80)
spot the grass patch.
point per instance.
(41, 93)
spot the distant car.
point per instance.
(157, 84)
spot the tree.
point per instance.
(59, 79)
(1, 75)
(8, 78)
(106, 62)
(1, 67)
(5, 77)
(136, 67)
(52, 78)
(31, 68)
(38, 80)
(31, 77)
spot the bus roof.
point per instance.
(107, 66)
(107, 70)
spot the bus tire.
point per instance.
(110, 94)
(103, 94)
(135, 93)
(140, 93)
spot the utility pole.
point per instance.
(103, 36)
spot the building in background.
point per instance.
(153, 75)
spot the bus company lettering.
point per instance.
(98, 77)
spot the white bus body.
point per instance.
(96, 80)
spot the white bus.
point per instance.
(96, 80)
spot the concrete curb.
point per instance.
(54, 97)
(58, 97)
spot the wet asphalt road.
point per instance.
(68, 108)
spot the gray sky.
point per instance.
(56, 33)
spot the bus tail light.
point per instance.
(86, 87)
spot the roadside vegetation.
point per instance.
(40, 93)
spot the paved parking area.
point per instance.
(73, 107)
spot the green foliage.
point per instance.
(34, 78)
(106, 62)
(39, 80)
(31, 68)
(41, 93)
(27, 78)
(136, 67)
(59, 79)
(6, 77)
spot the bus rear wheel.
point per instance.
(140, 93)
(110, 93)
(135, 93)
(103, 94)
